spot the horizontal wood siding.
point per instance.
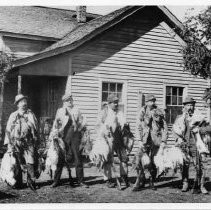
(144, 55)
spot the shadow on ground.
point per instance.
(4, 195)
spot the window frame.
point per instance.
(124, 92)
(165, 84)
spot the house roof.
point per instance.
(85, 32)
(38, 21)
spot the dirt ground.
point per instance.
(167, 191)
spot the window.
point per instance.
(113, 87)
(174, 97)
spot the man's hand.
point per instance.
(10, 148)
(162, 145)
(179, 141)
(195, 129)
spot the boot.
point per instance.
(110, 184)
(202, 187)
(71, 181)
(57, 176)
(80, 177)
(19, 179)
(143, 181)
(31, 183)
(151, 183)
(185, 185)
(83, 184)
(31, 177)
(140, 181)
(185, 175)
(125, 181)
(153, 174)
(55, 184)
(196, 186)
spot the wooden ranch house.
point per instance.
(132, 51)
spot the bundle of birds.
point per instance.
(197, 121)
(55, 154)
(102, 148)
(9, 168)
(171, 158)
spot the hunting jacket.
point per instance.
(64, 114)
(145, 130)
(13, 118)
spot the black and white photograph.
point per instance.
(105, 104)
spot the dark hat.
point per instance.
(150, 97)
(67, 97)
(112, 98)
(19, 97)
(188, 100)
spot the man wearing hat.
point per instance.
(150, 139)
(70, 117)
(21, 135)
(184, 136)
(111, 115)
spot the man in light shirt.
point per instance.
(21, 135)
(70, 117)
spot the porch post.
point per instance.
(68, 88)
(1, 107)
(69, 85)
(209, 106)
(140, 100)
(19, 84)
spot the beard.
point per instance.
(190, 111)
(24, 107)
(152, 106)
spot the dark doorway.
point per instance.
(44, 94)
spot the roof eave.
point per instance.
(74, 45)
(28, 36)
(171, 16)
(81, 41)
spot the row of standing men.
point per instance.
(150, 140)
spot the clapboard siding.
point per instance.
(136, 62)
(144, 56)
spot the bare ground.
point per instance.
(99, 193)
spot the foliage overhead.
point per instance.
(5, 65)
(197, 35)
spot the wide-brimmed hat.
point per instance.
(67, 97)
(19, 97)
(188, 100)
(150, 97)
(112, 98)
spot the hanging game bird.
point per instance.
(169, 159)
(55, 154)
(9, 168)
(102, 148)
